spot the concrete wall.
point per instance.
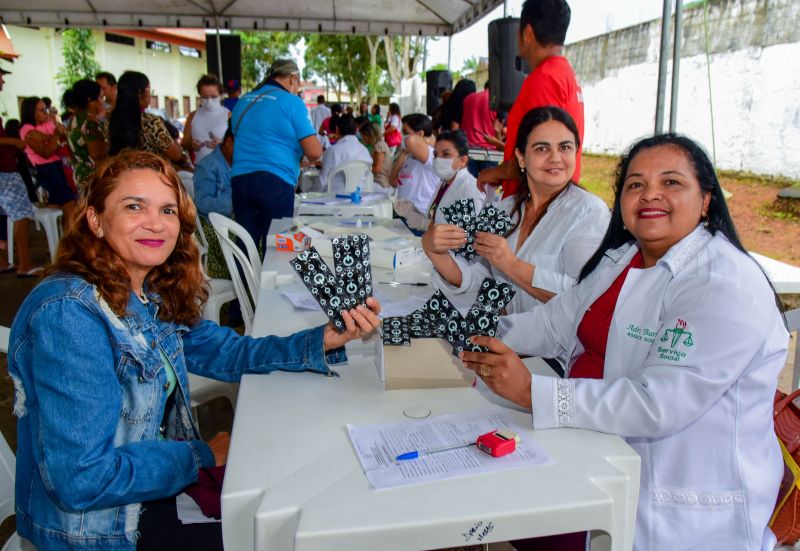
(33, 73)
(755, 81)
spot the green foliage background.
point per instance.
(77, 47)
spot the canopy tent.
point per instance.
(372, 17)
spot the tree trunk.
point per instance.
(391, 62)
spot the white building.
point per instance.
(173, 60)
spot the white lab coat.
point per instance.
(560, 244)
(347, 148)
(463, 187)
(696, 405)
(318, 115)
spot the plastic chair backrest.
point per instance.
(202, 241)
(355, 173)
(244, 266)
(188, 182)
(8, 463)
(5, 333)
(8, 467)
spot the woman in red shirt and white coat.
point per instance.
(689, 366)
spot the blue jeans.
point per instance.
(258, 197)
(474, 167)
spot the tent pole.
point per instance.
(676, 65)
(505, 8)
(219, 50)
(449, 49)
(662, 67)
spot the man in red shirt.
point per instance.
(478, 124)
(542, 30)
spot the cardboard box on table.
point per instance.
(427, 363)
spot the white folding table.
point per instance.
(293, 480)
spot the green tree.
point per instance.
(77, 48)
(344, 61)
(471, 65)
(259, 50)
(443, 67)
(403, 54)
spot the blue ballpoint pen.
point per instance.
(419, 453)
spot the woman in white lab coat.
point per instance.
(557, 225)
(689, 364)
(451, 155)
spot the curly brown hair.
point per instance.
(179, 281)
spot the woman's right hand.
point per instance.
(219, 447)
(443, 237)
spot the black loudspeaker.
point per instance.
(506, 70)
(231, 45)
(436, 83)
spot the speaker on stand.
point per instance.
(231, 48)
(436, 82)
(507, 71)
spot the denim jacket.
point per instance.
(90, 397)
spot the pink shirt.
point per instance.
(48, 128)
(478, 119)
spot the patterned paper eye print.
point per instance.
(494, 295)
(352, 267)
(396, 331)
(320, 281)
(493, 220)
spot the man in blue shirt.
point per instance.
(212, 179)
(213, 193)
(273, 131)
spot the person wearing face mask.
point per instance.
(450, 162)
(556, 224)
(272, 133)
(206, 127)
(412, 173)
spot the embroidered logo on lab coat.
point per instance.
(677, 337)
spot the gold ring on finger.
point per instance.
(485, 371)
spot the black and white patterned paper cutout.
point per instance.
(352, 267)
(396, 331)
(321, 283)
(493, 220)
(494, 295)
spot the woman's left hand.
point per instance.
(501, 369)
(359, 322)
(495, 249)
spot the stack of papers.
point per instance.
(377, 446)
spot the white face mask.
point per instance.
(210, 104)
(444, 168)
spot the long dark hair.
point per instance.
(453, 109)
(126, 118)
(719, 219)
(27, 111)
(531, 120)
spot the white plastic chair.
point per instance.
(45, 218)
(244, 266)
(356, 174)
(8, 469)
(188, 182)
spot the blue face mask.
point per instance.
(358, 135)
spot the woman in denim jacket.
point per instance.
(99, 354)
